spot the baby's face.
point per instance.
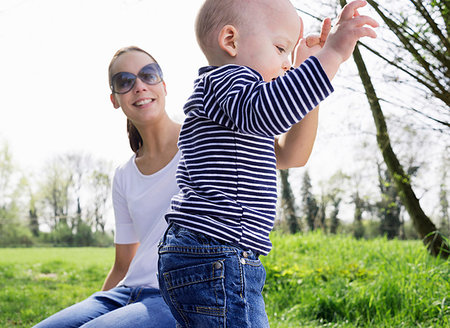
(267, 44)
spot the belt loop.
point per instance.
(163, 238)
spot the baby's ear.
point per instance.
(228, 40)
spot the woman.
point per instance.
(142, 190)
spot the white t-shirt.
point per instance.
(140, 203)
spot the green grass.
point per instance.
(37, 282)
(337, 281)
(312, 281)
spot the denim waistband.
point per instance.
(214, 245)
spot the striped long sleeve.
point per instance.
(227, 173)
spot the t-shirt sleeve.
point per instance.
(125, 232)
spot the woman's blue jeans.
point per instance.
(208, 283)
(119, 307)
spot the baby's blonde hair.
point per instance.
(213, 15)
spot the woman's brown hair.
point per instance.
(133, 134)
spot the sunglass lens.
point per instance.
(150, 74)
(123, 82)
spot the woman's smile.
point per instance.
(143, 101)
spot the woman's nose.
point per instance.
(139, 86)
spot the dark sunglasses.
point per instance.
(123, 82)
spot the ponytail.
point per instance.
(134, 136)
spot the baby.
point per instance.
(209, 268)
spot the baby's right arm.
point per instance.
(342, 39)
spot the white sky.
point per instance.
(54, 89)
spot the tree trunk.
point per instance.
(287, 203)
(423, 225)
(33, 218)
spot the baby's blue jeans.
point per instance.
(120, 307)
(208, 283)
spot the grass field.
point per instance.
(312, 281)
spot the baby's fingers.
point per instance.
(361, 28)
(366, 31)
(365, 20)
(326, 28)
(351, 9)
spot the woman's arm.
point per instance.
(124, 255)
(293, 148)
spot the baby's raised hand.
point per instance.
(349, 28)
(310, 45)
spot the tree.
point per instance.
(74, 195)
(71, 198)
(422, 50)
(427, 81)
(33, 217)
(335, 200)
(424, 226)
(331, 198)
(6, 175)
(358, 192)
(321, 216)
(444, 213)
(443, 197)
(55, 200)
(80, 165)
(12, 229)
(414, 43)
(100, 183)
(358, 227)
(389, 207)
(309, 203)
(288, 203)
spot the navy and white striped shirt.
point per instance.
(227, 172)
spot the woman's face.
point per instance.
(144, 103)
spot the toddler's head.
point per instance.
(260, 34)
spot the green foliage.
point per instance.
(83, 235)
(56, 202)
(13, 233)
(312, 281)
(389, 207)
(444, 214)
(287, 203)
(12, 230)
(309, 203)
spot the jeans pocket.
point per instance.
(198, 293)
(254, 274)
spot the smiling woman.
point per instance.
(130, 294)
